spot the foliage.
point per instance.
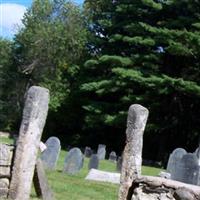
(50, 45)
(100, 58)
(144, 52)
(7, 110)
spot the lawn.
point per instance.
(76, 187)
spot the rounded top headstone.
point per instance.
(50, 155)
(52, 141)
(179, 152)
(190, 160)
(73, 161)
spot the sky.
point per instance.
(11, 13)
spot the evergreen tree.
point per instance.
(47, 51)
(145, 52)
(7, 109)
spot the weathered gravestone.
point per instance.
(97, 175)
(41, 183)
(73, 161)
(119, 164)
(188, 169)
(113, 156)
(197, 153)
(34, 118)
(174, 160)
(94, 162)
(88, 152)
(51, 154)
(101, 152)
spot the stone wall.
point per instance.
(6, 155)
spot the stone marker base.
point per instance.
(97, 175)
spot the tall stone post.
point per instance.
(132, 156)
(34, 117)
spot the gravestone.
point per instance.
(50, 155)
(33, 121)
(174, 160)
(88, 152)
(101, 152)
(119, 163)
(197, 153)
(113, 156)
(94, 162)
(73, 161)
(97, 175)
(40, 181)
(188, 169)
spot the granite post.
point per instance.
(34, 118)
(132, 156)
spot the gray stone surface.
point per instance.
(41, 185)
(88, 152)
(197, 153)
(140, 194)
(132, 155)
(34, 118)
(188, 169)
(6, 154)
(164, 175)
(119, 164)
(73, 161)
(3, 193)
(51, 154)
(94, 162)
(174, 160)
(4, 185)
(97, 175)
(101, 152)
(113, 156)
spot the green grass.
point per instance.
(6, 140)
(76, 187)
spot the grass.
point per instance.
(6, 140)
(76, 187)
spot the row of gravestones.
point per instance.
(184, 167)
(75, 159)
(101, 153)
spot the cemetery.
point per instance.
(99, 100)
(29, 164)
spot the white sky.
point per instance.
(10, 18)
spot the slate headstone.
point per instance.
(113, 156)
(101, 152)
(73, 161)
(174, 160)
(188, 169)
(40, 181)
(88, 152)
(94, 162)
(119, 163)
(51, 154)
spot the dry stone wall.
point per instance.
(6, 155)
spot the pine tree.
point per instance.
(145, 52)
